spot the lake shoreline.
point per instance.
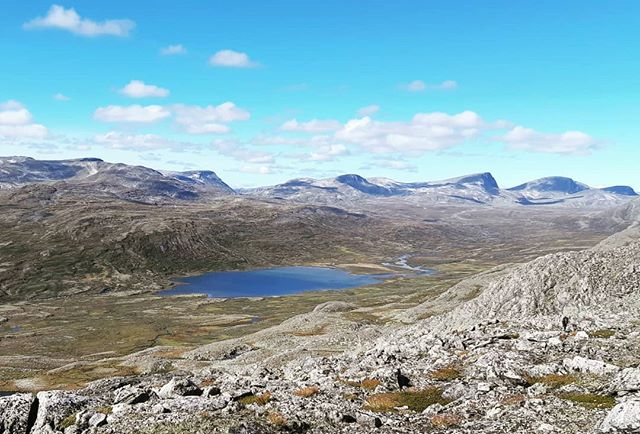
(290, 280)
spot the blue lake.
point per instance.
(271, 281)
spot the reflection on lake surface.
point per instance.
(271, 281)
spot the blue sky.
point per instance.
(262, 92)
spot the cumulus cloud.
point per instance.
(419, 86)
(16, 122)
(425, 132)
(328, 152)
(210, 119)
(14, 113)
(312, 126)
(172, 50)
(232, 59)
(569, 142)
(369, 110)
(61, 97)
(138, 89)
(133, 113)
(68, 19)
(139, 142)
(192, 119)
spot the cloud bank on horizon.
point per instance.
(307, 106)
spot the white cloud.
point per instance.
(61, 97)
(210, 119)
(328, 153)
(138, 89)
(419, 86)
(416, 86)
(14, 113)
(232, 59)
(68, 19)
(16, 122)
(140, 142)
(172, 50)
(569, 142)
(369, 110)
(192, 119)
(31, 131)
(312, 126)
(132, 113)
(445, 85)
(425, 132)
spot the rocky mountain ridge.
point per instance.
(475, 189)
(138, 183)
(93, 176)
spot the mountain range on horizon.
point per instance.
(146, 184)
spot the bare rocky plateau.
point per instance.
(491, 354)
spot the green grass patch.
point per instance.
(602, 333)
(67, 422)
(590, 400)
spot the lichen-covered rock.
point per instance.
(582, 364)
(132, 395)
(623, 418)
(14, 412)
(56, 405)
(179, 387)
(98, 419)
(627, 380)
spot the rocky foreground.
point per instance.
(491, 355)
